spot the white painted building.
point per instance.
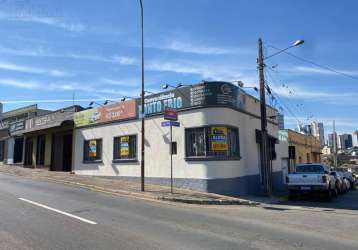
(216, 143)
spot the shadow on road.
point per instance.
(348, 200)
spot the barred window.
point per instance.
(125, 148)
(92, 151)
(212, 142)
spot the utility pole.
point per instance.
(265, 171)
(334, 145)
(142, 102)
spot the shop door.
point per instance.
(67, 152)
(28, 151)
(2, 150)
(57, 147)
(18, 149)
(40, 152)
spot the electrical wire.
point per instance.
(316, 64)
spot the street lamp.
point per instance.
(266, 171)
(142, 99)
(241, 85)
(179, 85)
(92, 103)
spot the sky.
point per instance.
(52, 52)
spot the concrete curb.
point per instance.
(209, 201)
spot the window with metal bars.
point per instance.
(92, 151)
(125, 148)
(212, 143)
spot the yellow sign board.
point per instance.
(219, 139)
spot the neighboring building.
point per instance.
(326, 150)
(11, 146)
(216, 148)
(355, 138)
(302, 148)
(49, 139)
(281, 121)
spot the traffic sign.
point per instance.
(170, 123)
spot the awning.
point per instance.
(270, 137)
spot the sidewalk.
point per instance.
(126, 188)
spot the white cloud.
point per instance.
(130, 82)
(305, 70)
(203, 69)
(95, 87)
(49, 21)
(33, 70)
(19, 84)
(188, 47)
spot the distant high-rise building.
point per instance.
(345, 141)
(355, 138)
(317, 130)
(1, 110)
(281, 121)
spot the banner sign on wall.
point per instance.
(87, 117)
(115, 112)
(219, 139)
(200, 95)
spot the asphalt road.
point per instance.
(42, 215)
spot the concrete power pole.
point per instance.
(265, 171)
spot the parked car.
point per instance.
(346, 173)
(311, 178)
(339, 181)
(347, 184)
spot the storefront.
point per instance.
(215, 147)
(48, 140)
(13, 122)
(4, 135)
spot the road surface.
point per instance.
(36, 214)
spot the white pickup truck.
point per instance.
(311, 178)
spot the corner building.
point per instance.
(215, 148)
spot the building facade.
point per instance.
(49, 140)
(11, 140)
(215, 148)
(301, 148)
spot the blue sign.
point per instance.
(170, 123)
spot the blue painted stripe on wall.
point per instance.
(238, 186)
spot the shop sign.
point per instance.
(50, 120)
(114, 112)
(200, 95)
(92, 148)
(87, 117)
(124, 151)
(17, 126)
(170, 114)
(118, 111)
(219, 139)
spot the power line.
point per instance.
(317, 64)
(285, 105)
